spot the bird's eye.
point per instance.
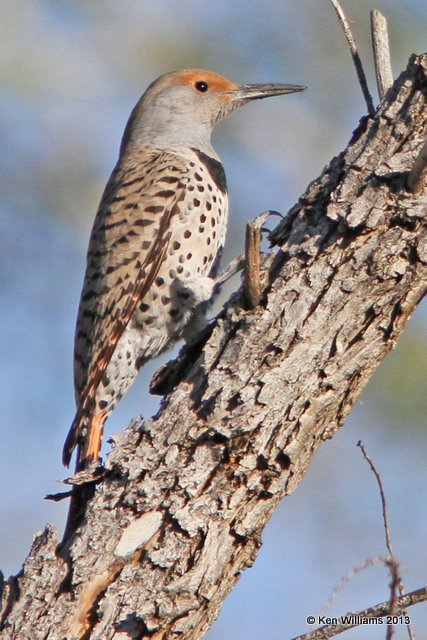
(201, 86)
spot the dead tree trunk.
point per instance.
(180, 508)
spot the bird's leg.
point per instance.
(196, 332)
(204, 290)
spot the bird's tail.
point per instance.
(85, 434)
(71, 440)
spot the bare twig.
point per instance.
(356, 619)
(355, 55)
(57, 497)
(418, 174)
(369, 562)
(395, 585)
(383, 498)
(233, 267)
(379, 34)
(396, 580)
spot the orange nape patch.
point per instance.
(215, 82)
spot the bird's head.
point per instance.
(182, 107)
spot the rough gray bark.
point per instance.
(181, 506)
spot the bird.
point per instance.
(155, 244)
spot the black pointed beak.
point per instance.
(247, 92)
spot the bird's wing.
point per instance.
(129, 240)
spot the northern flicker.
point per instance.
(155, 244)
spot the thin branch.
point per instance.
(395, 585)
(356, 619)
(396, 580)
(355, 55)
(383, 498)
(418, 174)
(369, 562)
(379, 34)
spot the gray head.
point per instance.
(181, 108)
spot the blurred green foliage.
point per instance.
(398, 389)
